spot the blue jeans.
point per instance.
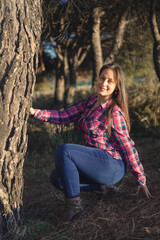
(79, 168)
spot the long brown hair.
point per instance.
(120, 98)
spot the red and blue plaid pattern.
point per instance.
(91, 122)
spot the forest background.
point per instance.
(74, 40)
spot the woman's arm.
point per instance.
(126, 147)
(69, 115)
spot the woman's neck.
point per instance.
(101, 99)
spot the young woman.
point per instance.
(108, 149)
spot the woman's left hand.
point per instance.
(146, 191)
(31, 111)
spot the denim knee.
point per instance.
(61, 150)
(59, 156)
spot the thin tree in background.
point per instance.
(65, 22)
(96, 13)
(112, 34)
(118, 37)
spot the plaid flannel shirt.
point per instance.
(91, 122)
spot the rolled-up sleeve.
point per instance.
(126, 146)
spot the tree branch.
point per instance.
(118, 37)
(83, 55)
(57, 49)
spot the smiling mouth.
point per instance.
(103, 89)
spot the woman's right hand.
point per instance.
(31, 111)
(146, 191)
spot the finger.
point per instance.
(147, 193)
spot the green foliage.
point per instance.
(137, 59)
(38, 137)
(64, 134)
(144, 102)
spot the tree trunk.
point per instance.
(42, 66)
(20, 36)
(72, 86)
(77, 56)
(96, 42)
(118, 39)
(60, 79)
(156, 37)
(60, 84)
(63, 76)
(66, 76)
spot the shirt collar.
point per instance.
(106, 103)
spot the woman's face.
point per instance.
(106, 84)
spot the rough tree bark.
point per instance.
(96, 41)
(20, 29)
(156, 37)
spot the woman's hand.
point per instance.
(146, 191)
(31, 111)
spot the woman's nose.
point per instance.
(105, 82)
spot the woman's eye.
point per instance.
(110, 80)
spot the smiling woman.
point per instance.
(106, 85)
(108, 149)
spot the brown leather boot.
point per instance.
(72, 209)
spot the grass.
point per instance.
(37, 227)
(144, 102)
(124, 217)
